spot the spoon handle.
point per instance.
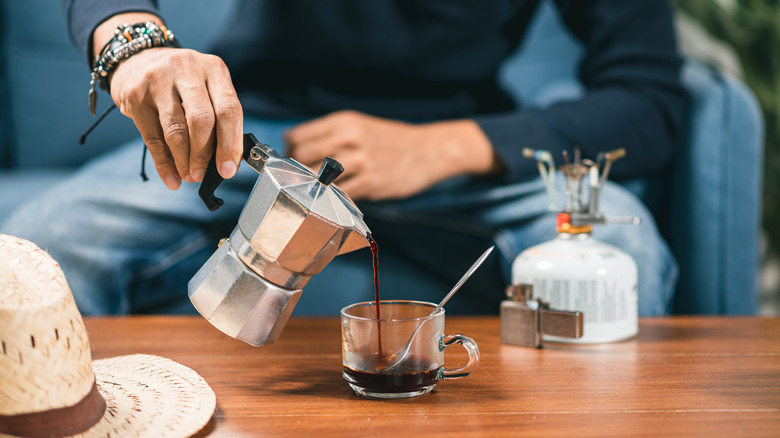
(463, 279)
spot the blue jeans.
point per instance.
(128, 246)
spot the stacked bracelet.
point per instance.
(128, 40)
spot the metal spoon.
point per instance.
(396, 358)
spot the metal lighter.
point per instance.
(524, 319)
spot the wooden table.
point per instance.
(681, 376)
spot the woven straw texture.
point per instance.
(45, 360)
(151, 396)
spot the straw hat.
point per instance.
(49, 385)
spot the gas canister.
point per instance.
(575, 271)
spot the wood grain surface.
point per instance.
(691, 376)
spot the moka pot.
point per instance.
(293, 224)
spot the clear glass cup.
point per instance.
(368, 345)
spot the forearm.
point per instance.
(633, 97)
(600, 121)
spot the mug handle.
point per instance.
(471, 347)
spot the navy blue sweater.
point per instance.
(425, 60)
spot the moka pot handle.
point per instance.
(212, 179)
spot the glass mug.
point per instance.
(367, 345)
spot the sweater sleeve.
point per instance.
(633, 95)
(84, 16)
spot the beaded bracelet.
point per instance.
(128, 40)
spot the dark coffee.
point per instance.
(412, 375)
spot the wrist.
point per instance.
(127, 40)
(105, 30)
(465, 149)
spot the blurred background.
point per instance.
(743, 37)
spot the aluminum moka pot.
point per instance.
(293, 224)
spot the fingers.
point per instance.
(359, 187)
(313, 152)
(182, 102)
(310, 142)
(229, 119)
(149, 126)
(309, 131)
(175, 129)
(200, 121)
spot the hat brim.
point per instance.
(150, 395)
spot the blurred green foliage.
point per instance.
(752, 27)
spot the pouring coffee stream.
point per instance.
(393, 361)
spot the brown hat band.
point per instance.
(57, 422)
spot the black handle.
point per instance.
(212, 179)
(329, 171)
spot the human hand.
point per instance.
(387, 159)
(181, 101)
